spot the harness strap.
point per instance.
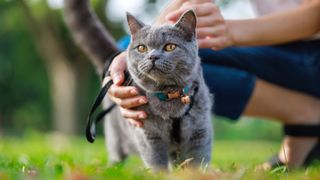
(175, 134)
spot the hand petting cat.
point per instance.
(212, 32)
(212, 29)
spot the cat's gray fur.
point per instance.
(154, 142)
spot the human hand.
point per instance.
(171, 7)
(212, 29)
(125, 96)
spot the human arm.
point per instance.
(290, 25)
(215, 32)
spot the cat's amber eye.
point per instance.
(142, 48)
(170, 47)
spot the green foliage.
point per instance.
(247, 129)
(53, 156)
(24, 96)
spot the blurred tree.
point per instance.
(59, 65)
(62, 61)
(23, 84)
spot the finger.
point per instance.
(117, 68)
(214, 31)
(213, 43)
(135, 122)
(172, 6)
(213, 19)
(201, 1)
(200, 10)
(123, 91)
(118, 77)
(133, 114)
(133, 102)
(205, 21)
(175, 15)
(205, 9)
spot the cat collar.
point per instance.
(182, 94)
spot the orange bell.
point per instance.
(185, 99)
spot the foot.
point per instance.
(294, 150)
(293, 153)
(296, 147)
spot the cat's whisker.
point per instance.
(143, 67)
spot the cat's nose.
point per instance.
(154, 57)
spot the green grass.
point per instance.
(52, 156)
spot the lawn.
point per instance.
(53, 156)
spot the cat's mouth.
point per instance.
(162, 68)
(161, 76)
(155, 70)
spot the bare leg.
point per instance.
(288, 107)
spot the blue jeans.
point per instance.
(231, 73)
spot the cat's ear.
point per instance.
(188, 23)
(134, 24)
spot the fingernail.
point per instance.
(142, 116)
(142, 100)
(134, 92)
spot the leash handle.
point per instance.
(91, 122)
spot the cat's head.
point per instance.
(163, 56)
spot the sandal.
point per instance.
(300, 131)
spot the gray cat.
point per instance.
(164, 64)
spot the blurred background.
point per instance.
(47, 84)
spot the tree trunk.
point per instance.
(63, 93)
(61, 72)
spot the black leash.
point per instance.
(91, 122)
